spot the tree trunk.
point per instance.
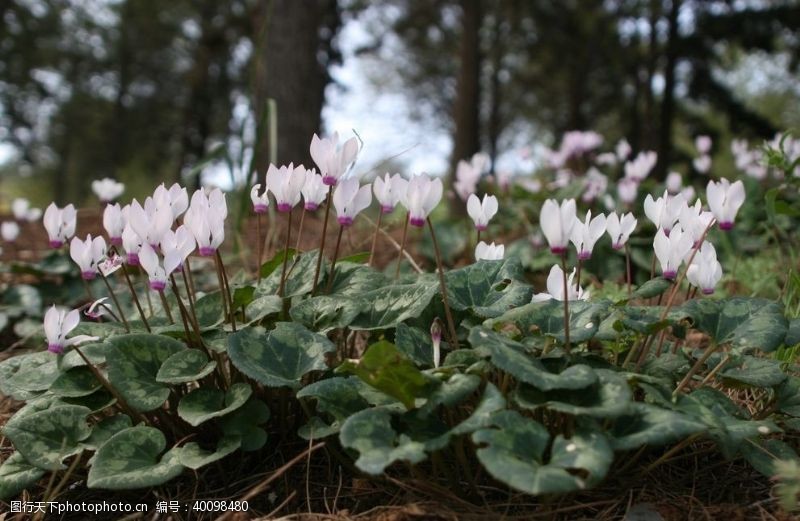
(668, 99)
(466, 110)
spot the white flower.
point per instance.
(150, 221)
(671, 250)
(96, 309)
(491, 251)
(555, 287)
(595, 185)
(664, 211)
(585, 234)
(158, 272)
(205, 219)
(389, 191)
(436, 339)
(331, 160)
(468, 175)
(181, 240)
(87, 254)
(703, 144)
(59, 223)
(285, 184)
(482, 212)
(132, 244)
(607, 159)
(57, 325)
(349, 200)
(702, 163)
(9, 230)
(421, 197)
(724, 200)
(260, 202)
(557, 222)
(641, 166)
(314, 190)
(623, 149)
(620, 229)
(627, 190)
(107, 189)
(705, 271)
(21, 208)
(694, 221)
(674, 183)
(114, 220)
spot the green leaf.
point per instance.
(46, 437)
(107, 427)
(415, 343)
(325, 312)
(95, 352)
(354, 279)
(263, 306)
(243, 296)
(788, 396)
(133, 363)
(548, 318)
(203, 404)
(386, 307)
(762, 454)
(337, 397)
(356, 258)
(510, 356)
(269, 267)
(22, 377)
(243, 423)
(792, 333)
(370, 433)
(187, 365)
(280, 357)
(610, 397)
(755, 372)
(300, 281)
(744, 323)
(209, 310)
(386, 369)
(652, 426)
(652, 288)
(488, 288)
(75, 382)
(193, 456)
(130, 460)
(16, 475)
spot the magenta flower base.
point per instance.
(157, 285)
(417, 221)
(207, 251)
(132, 259)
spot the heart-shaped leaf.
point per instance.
(280, 357)
(610, 397)
(652, 288)
(106, 428)
(336, 397)
(16, 474)
(243, 423)
(46, 437)
(78, 381)
(24, 376)
(130, 460)
(755, 372)
(510, 356)
(652, 426)
(209, 310)
(193, 456)
(133, 364)
(488, 288)
(743, 323)
(203, 404)
(352, 279)
(326, 312)
(388, 306)
(187, 365)
(547, 318)
(300, 281)
(416, 344)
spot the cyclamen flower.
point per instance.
(491, 251)
(671, 250)
(703, 144)
(557, 223)
(181, 240)
(88, 254)
(664, 211)
(59, 223)
(21, 208)
(674, 183)
(641, 166)
(107, 189)
(314, 190)
(132, 244)
(421, 197)
(57, 325)
(481, 212)
(724, 200)
(620, 229)
(349, 200)
(158, 272)
(9, 230)
(436, 339)
(627, 190)
(596, 185)
(176, 198)
(585, 234)
(260, 202)
(150, 221)
(705, 271)
(205, 218)
(331, 160)
(623, 149)
(389, 190)
(468, 174)
(96, 309)
(285, 184)
(114, 223)
(702, 163)
(694, 221)
(555, 287)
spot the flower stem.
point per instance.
(165, 304)
(135, 298)
(566, 302)
(322, 240)
(578, 276)
(188, 293)
(450, 323)
(260, 246)
(696, 367)
(628, 267)
(88, 290)
(226, 289)
(335, 256)
(300, 231)
(147, 293)
(182, 310)
(375, 237)
(116, 303)
(282, 286)
(402, 247)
